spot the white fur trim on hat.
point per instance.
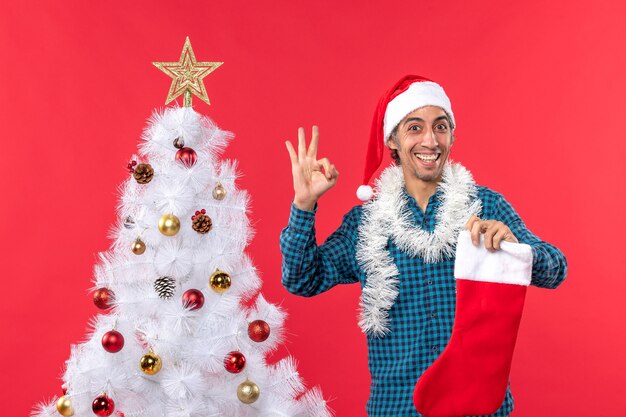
(512, 264)
(419, 94)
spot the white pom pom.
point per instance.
(364, 192)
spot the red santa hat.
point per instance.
(407, 95)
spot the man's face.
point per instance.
(423, 142)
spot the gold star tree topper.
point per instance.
(187, 75)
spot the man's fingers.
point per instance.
(499, 237)
(475, 232)
(334, 174)
(491, 231)
(301, 144)
(494, 233)
(325, 163)
(471, 222)
(333, 171)
(510, 237)
(315, 137)
(292, 152)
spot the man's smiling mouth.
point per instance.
(428, 157)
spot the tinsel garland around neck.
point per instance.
(388, 217)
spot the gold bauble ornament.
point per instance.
(169, 224)
(220, 281)
(219, 192)
(138, 247)
(248, 392)
(150, 363)
(64, 406)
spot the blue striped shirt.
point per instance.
(422, 317)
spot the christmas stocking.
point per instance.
(470, 377)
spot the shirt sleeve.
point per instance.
(309, 269)
(549, 263)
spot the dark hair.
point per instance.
(394, 152)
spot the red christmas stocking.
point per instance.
(470, 377)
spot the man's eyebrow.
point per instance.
(413, 119)
(417, 119)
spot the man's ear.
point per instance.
(391, 144)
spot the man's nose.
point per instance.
(430, 139)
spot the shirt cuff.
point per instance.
(302, 221)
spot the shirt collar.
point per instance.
(433, 201)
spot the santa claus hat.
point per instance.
(408, 94)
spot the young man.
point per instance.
(401, 245)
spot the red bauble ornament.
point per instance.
(103, 298)
(131, 166)
(193, 299)
(113, 341)
(234, 362)
(103, 406)
(258, 330)
(186, 156)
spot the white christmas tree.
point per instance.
(175, 338)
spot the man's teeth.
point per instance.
(427, 157)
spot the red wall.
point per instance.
(538, 92)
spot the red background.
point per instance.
(538, 92)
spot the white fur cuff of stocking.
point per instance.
(512, 264)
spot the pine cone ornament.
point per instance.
(165, 287)
(143, 173)
(201, 222)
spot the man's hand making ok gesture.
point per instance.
(312, 177)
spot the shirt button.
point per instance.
(434, 348)
(300, 251)
(433, 315)
(430, 282)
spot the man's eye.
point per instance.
(414, 127)
(441, 127)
